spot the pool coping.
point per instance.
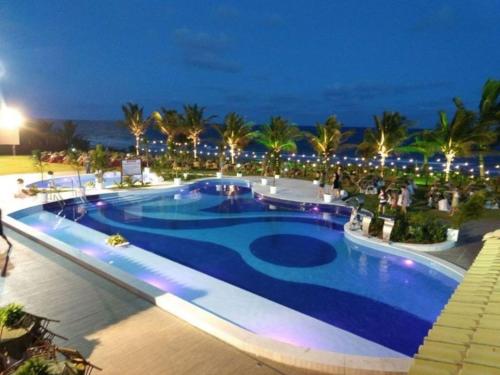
(449, 269)
(307, 358)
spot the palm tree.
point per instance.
(390, 131)
(235, 133)
(194, 123)
(489, 117)
(458, 137)
(328, 139)
(169, 123)
(278, 136)
(425, 144)
(68, 133)
(135, 122)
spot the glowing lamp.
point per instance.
(10, 118)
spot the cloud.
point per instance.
(273, 20)
(442, 17)
(205, 51)
(225, 12)
(363, 91)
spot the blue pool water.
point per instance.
(294, 255)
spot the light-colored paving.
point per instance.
(117, 330)
(465, 340)
(291, 189)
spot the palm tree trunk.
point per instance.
(481, 164)
(231, 148)
(382, 165)
(195, 143)
(449, 159)
(425, 169)
(137, 139)
(170, 148)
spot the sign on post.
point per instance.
(131, 167)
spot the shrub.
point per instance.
(376, 226)
(11, 314)
(35, 366)
(424, 228)
(400, 230)
(472, 209)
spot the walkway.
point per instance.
(465, 340)
(117, 330)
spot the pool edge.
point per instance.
(311, 359)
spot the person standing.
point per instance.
(455, 197)
(382, 201)
(322, 181)
(336, 185)
(405, 199)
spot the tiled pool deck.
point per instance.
(465, 340)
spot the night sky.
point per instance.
(300, 59)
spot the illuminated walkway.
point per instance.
(465, 339)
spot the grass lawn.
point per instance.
(24, 164)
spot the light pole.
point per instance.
(10, 122)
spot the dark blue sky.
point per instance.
(300, 59)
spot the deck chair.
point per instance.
(79, 365)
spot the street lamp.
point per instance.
(11, 120)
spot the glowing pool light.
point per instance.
(408, 262)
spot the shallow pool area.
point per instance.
(280, 270)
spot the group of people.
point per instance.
(335, 183)
(439, 198)
(395, 198)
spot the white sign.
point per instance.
(131, 167)
(9, 136)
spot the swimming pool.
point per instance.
(284, 258)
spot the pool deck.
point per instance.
(465, 339)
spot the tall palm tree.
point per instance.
(425, 144)
(328, 139)
(390, 131)
(194, 123)
(169, 123)
(235, 133)
(135, 122)
(278, 136)
(489, 118)
(458, 137)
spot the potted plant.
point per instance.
(74, 162)
(327, 198)
(177, 179)
(11, 314)
(36, 365)
(117, 240)
(99, 158)
(238, 171)
(37, 158)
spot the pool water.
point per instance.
(294, 255)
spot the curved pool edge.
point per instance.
(447, 268)
(232, 334)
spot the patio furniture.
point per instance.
(77, 365)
